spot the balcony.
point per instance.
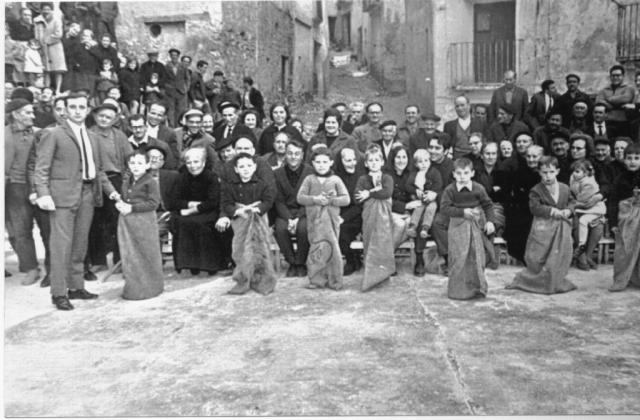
(628, 45)
(473, 64)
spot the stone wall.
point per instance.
(242, 38)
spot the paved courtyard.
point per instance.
(402, 349)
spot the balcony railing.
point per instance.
(476, 63)
(628, 45)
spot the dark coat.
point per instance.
(147, 68)
(130, 85)
(256, 100)
(565, 103)
(286, 204)
(519, 100)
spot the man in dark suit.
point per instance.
(510, 94)
(252, 97)
(541, 104)
(389, 130)
(230, 127)
(600, 127)
(156, 128)
(291, 218)
(69, 182)
(573, 94)
(141, 140)
(461, 128)
(176, 87)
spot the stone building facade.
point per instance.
(261, 39)
(436, 49)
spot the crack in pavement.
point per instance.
(449, 355)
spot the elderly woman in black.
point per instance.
(349, 167)
(195, 244)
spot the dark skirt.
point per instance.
(141, 259)
(196, 242)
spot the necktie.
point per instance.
(227, 131)
(85, 159)
(600, 129)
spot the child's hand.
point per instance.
(223, 224)
(420, 194)
(362, 195)
(123, 208)
(254, 210)
(292, 226)
(193, 204)
(321, 199)
(469, 214)
(430, 196)
(566, 213)
(489, 228)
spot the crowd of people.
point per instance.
(113, 157)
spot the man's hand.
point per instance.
(46, 203)
(33, 198)
(223, 224)
(293, 226)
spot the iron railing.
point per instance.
(473, 63)
(628, 45)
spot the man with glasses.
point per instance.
(369, 132)
(140, 139)
(619, 98)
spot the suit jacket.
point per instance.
(451, 129)
(58, 171)
(286, 204)
(519, 100)
(218, 132)
(611, 131)
(536, 112)
(176, 84)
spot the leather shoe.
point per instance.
(46, 282)
(62, 303)
(89, 276)
(81, 294)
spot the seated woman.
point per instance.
(332, 136)
(195, 240)
(399, 169)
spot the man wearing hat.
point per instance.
(420, 140)
(389, 130)
(141, 140)
(369, 132)
(509, 94)
(152, 66)
(231, 127)
(176, 87)
(542, 135)
(18, 141)
(114, 149)
(559, 148)
(69, 182)
(573, 94)
(194, 136)
(505, 127)
(461, 128)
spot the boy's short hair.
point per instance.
(373, 149)
(584, 165)
(295, 143)
(548, 161)
(243, 155)
(632, 149)
(138, 152)
(321, 150)
(462, 163)
(421, 153)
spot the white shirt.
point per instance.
(466, 185)
(596, 128)
(465, 122)
(387, 147)
(153, 131)
(548, 102)
(80, 133)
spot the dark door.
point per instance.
(494, 36)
